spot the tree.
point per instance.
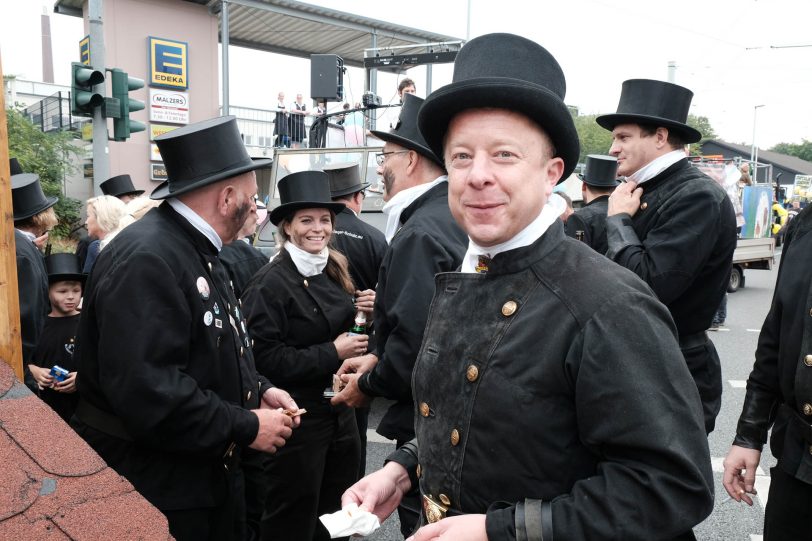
(49, 156)
(799, 150)
(593, 138)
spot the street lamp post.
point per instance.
(754, 149)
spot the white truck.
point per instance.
(750, 254)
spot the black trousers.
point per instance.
(703, 362)
(789, 508)
(306, 477)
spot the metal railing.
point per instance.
(53, 113)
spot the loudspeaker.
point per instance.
(326, 77)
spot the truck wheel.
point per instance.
(736, 279)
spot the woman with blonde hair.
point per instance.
(103, 215)
(300, 308)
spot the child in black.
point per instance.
(56, 343)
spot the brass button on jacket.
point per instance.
(807, 409)
(472, 373)
(419, 471)
(509, 308)
(808, 360)
(644, 206)
(445, 500)
(455, 437)
(424, 409)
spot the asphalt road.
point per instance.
(736, 343)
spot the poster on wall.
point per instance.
(801, 188)
(168, 106)
(757, 207)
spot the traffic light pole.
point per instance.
(101, 155)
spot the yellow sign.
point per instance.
(84, 51)
(168, 63)
(87, 131)
(159, 129)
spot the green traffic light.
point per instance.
(83, 99)
(122, 85)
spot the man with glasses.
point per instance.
(423, 240)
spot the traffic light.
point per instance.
(82, 98)
(123, 84)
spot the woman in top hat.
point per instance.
(34, 216)
(56, 345)
(103, 215)
(299, 309)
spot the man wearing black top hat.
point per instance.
(540, 414)
(423, 240)
(669, 223)
(33, 216)
(169, 391)
(364, 246)
(588, 224)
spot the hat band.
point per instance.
(180, 184)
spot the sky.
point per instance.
(733, 54)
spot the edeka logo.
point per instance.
(168, 63)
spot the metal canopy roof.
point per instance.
(299, 29)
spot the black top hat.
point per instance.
(27, 198)
(119, 186)
(202, 153)
(303, 190)
(14, 167)
(63, 267)
(645, 101)
(505, 71)
(405, 132)
(345, 178)
(600, 171)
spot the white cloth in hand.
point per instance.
(350, 521)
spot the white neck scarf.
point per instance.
(394, 207)
(527, 236)
(656, 166)
(306, 263)
(197, 222)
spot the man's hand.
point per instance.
(468, 527)
(379, 492)
(365, 300)
(351, 395)
(274, 429)
(67, 386)
(625, 199)
(358, 365)
(276, 399)
(41, 375)
(736, 484)
(41, 241)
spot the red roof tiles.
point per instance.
(54, 486)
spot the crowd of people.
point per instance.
(233, 391)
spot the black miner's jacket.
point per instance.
(429, 242)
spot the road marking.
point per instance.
(754, 537)
(753, 330)
(716, 464)
(374, 437)
(737, 383)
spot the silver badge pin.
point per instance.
(218, 323)
(203, 288)
(216, 309)
(208, 318)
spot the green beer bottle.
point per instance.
(360, 326)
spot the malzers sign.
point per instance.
(168, 106)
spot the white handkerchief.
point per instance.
(350, 521)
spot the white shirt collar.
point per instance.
(27, 234)
(656, 166)
(197, 222)
(395, 206)
(527, 236)
(306, 263)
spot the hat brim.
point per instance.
(278, 214)
(67, 278)
(351, 189)
(28, 213)
(539, 104)
(162, 191)
(688, 134)
(134, 193)
(408, 143)
(599, 184)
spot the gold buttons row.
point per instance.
(808, 360)
(807, 409)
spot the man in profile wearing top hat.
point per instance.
(670, 223)
(169, 393)
(539, 412)
(423, 240)
(33, 218)
(588, 224)
(364, 246)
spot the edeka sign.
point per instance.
(168, 61)
(168, 106)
